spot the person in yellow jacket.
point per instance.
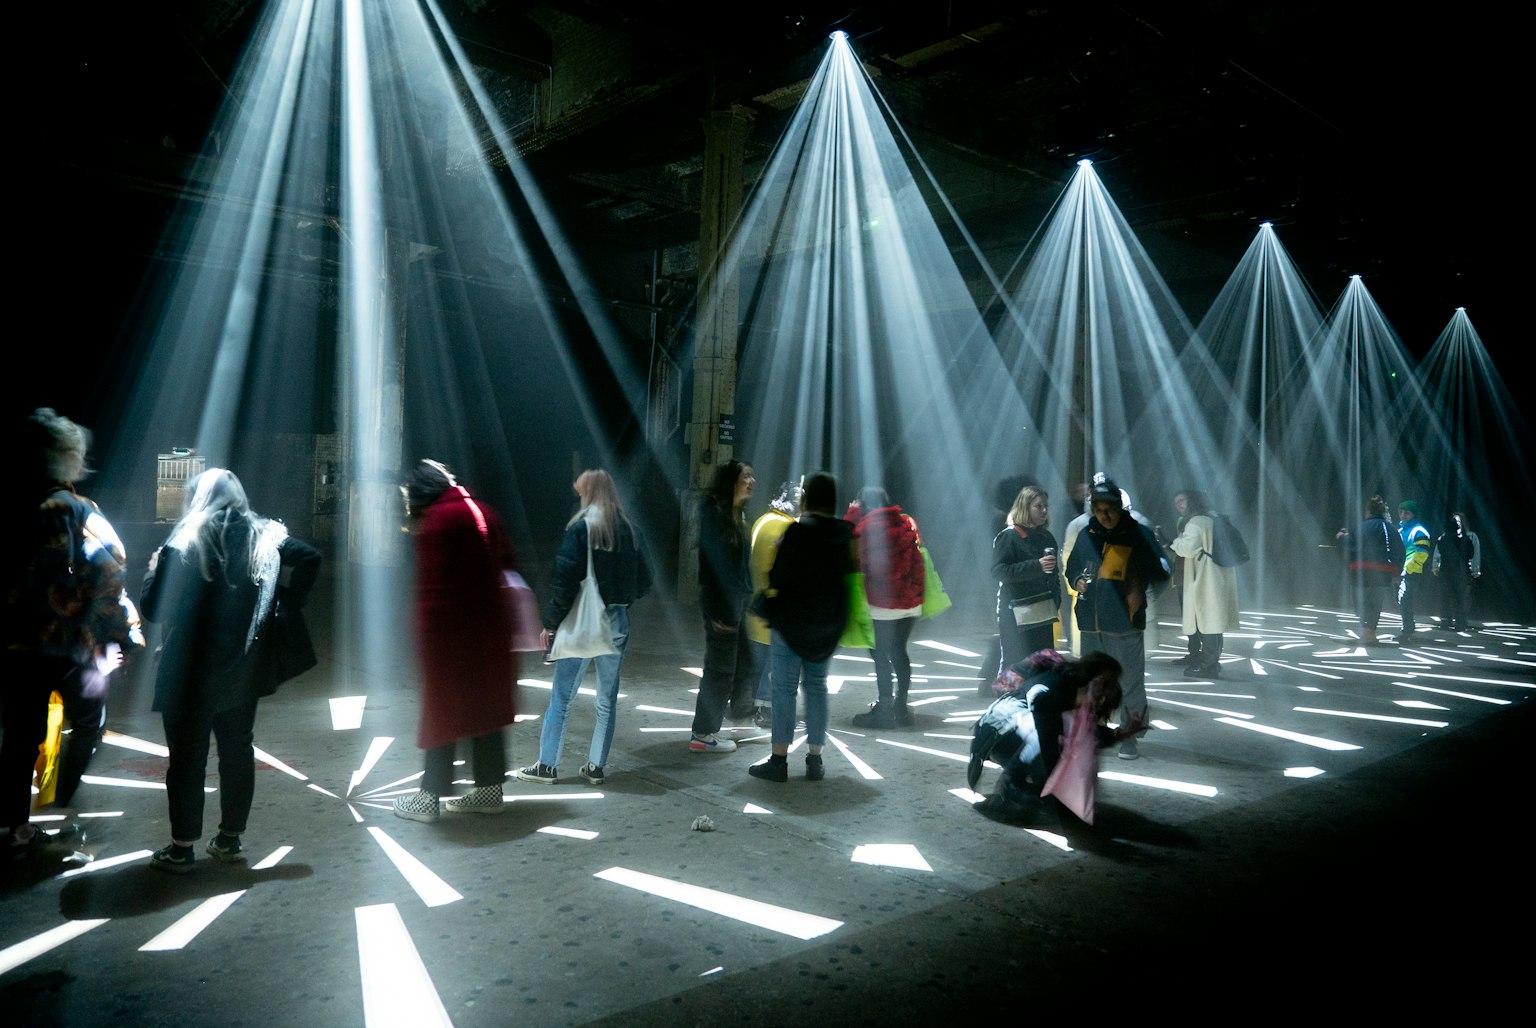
(1415, 557)
(766, 533)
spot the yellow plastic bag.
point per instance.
(47, 766)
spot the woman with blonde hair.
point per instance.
(623, 576)
(1029, 589)
(213, 586)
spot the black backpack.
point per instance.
(1228, 547)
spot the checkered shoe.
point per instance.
(484, 799)
(420, 805)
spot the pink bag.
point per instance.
(1074, 780)
(525, 613)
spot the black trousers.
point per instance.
(487, 757)
(729, 678)
(186, 735)
(891, 660)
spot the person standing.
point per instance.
(213, 585)
(1181, 510)
(766, 533)
(1458, 554)
(725, 586)
(463, 640)
(1210, 590)
(1024, 560)
(1375, 555)
(1115, 565)
(1416, 540)
(807, 605)
(894, 577)
(623, 576)
(66, 612)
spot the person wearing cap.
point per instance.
(1114, 566)
(1416, 541)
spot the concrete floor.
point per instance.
(1383, 884)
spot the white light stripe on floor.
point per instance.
(569, 833)
(1165, 726)
(356, 815)
(753, 808)
(956, 663)
(941, 735)
(325, 792)
(1059, 841)
(1217, 695)
(869, 773)
(1476, 681)
(585, 794)
(680, 728)
(1372, 717)
(397, 991)
(696, 672)
(714, 970)
(1281, 733)
(853, 657)
(835, 684)
(188, 927)
(375, 806)
(1196, 706)
(15, 955)
(128, 742)
(434, 892)
(795, 923)
(376, 750)
(1306, 670)
(1166, 784)
(945, 647)
(1451, 692)
(391, 785)
(121, 783)
(267, 758)
(100, 865)
(102, 813)
(1303, 772)
(962, 757)
(1256, 667)
(271, 859)
(931, 699)
(663, 710)
(1411, 704)
(891, 854)
(967, 795)
(347, 712)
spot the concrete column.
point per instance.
(715, 342)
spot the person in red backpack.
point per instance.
(893, 587)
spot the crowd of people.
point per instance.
(777, 598)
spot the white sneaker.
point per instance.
(1128, 750)
(710, 744)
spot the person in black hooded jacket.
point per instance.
(806, 607)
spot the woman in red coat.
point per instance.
(893, 585)
(463, 639)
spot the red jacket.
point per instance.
(889, 558)
(463, 627)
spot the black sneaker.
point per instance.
(176, 859)
(593, 773)
(815, 770)
(541, 773)
(902, 714)
(226, 848)
(879, 715)
(774, 769)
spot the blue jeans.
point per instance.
(790, 671)
(568, 675)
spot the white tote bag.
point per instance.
(585, 632)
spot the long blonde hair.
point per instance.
(600, 508)
(215, 501)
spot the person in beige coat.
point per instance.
(1210, 590)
